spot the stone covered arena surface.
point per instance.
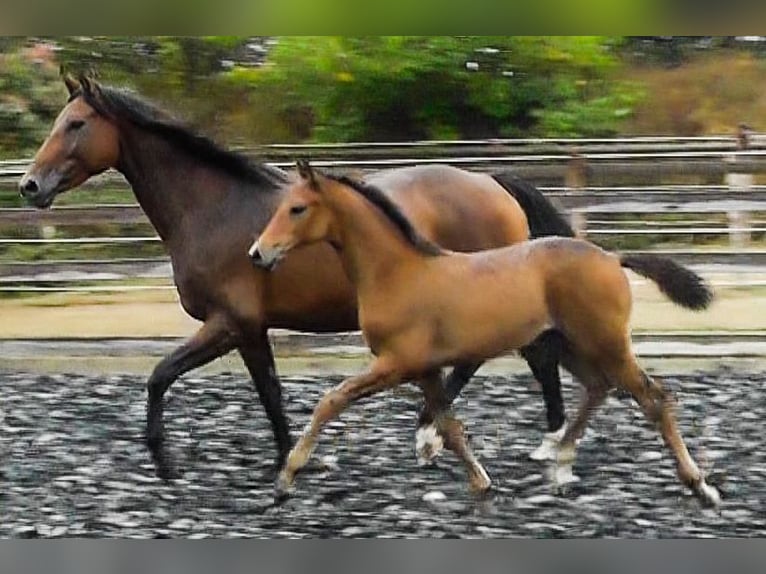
(73, 464)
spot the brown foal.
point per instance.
(422, 308)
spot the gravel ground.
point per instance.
(72, 463)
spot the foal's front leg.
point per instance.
(334, 402)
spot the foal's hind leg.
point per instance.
(594, 391)
(450, 430)
(657, 406)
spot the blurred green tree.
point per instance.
(444, 87)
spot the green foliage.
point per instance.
(31, 95)
(446, 87)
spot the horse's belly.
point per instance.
(309, 291)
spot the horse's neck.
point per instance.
(174, 188)
(372, 249)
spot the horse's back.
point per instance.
(459, 210)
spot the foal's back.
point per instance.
(483, 304)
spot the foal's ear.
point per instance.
(71, 84)
(307, 173)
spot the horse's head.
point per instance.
(82, 143)
(302, 218)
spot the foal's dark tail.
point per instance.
(542, 216)
(683, 286)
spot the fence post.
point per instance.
(736, 180)
(739, 229)
(579, 221)
(576, 175)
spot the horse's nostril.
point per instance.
(28, 186)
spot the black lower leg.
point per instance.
(459, 378)
(454, 383)
(260, 363)
(543, 356)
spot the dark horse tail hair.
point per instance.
(542, 216)
(683, 286)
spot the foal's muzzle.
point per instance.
(264, 258)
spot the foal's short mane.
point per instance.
(375, 196)
(124, 104)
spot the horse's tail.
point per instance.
(682, 286)
(542, 216)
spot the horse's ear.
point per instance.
(89, 84)
(307, 173)
(71, 84)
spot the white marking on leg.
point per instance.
(549, 447)
(480, 482)
(428, 444)
(709, 493)
(562, 473)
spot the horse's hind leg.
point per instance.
(543, 356)
(657, 405)
(211, 341)
(450, 430)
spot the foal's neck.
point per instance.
(370, 246)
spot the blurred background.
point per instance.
(647, 143)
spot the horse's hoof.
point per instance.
(428, 444)
(708, 495)
(548, 448)
(168, 473)
(164, 467)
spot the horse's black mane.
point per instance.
(124, 104)
(392, 212)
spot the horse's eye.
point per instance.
(75, 125)
(297, 209)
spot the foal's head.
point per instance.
(81, 143)
(302, 218)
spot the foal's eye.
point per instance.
(75, 125)
(297, 209)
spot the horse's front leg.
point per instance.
(334, 402)
(211, 341)
(259, 359)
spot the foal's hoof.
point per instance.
(282, 488)
(428, 444)
(708, 495)
(481, 484)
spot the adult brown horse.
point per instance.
(206, 205)
(417, 319)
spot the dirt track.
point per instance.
(72, 463)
